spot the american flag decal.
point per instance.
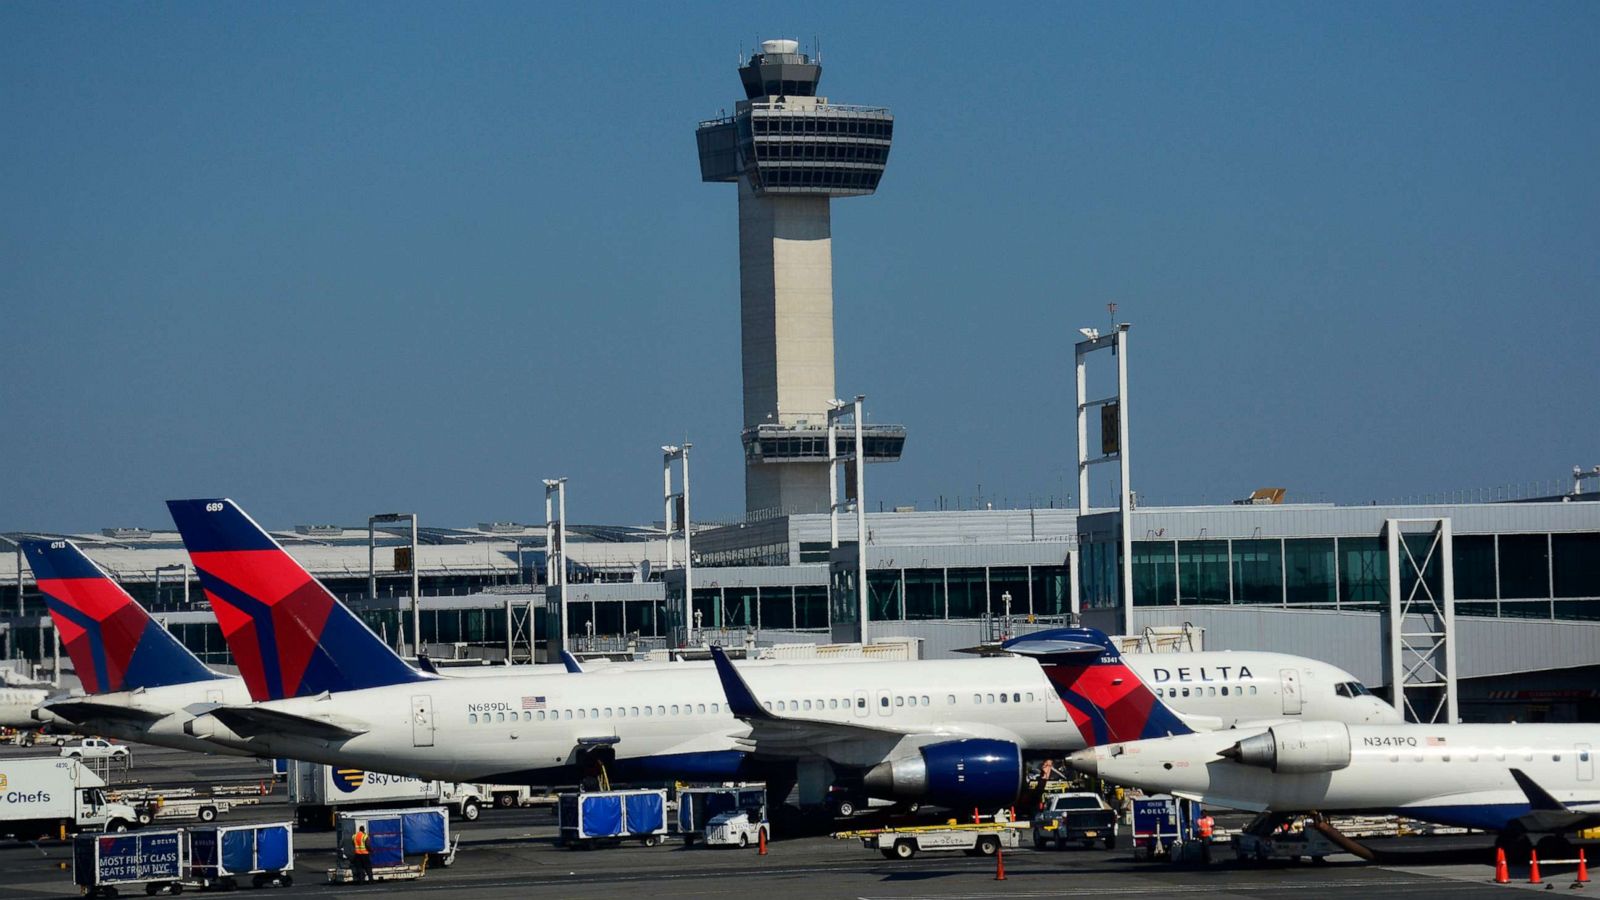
(1436, 742)
(533, 702)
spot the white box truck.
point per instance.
(317, 792)
(41, 796)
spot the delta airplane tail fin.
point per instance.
(289, 636)
(113, 643)
(1107, 700)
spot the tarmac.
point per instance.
(512, 853)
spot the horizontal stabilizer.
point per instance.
(1054, 648)
(249, 721)
(91, 710)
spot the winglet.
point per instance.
(571, 662)
(1538, 797)
(742, 701)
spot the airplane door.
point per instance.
(883, 702)
(861, 705)
(1291, 691)
(422, 721)
(213, 696)
(1585, 762)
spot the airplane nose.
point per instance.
(1084, 761)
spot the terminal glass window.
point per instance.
(646, 617)
(777, 607)
(739, 607)
(810, 606)
(579, 615)
(1013, 581)
(1524, 566)
(1587, 610)
(924, 593)
(1258, 572)
(1474, 559)
(883, 594)
(1155, 575)
(1309, 571)
(1050, 590)
(967, 590)
(1576, 560)
(1363, 572)
(608, 617)
(1202, 572)
(708, 603)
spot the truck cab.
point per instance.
(1082, 817)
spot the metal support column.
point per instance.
(673, 525)
(1116, 406)
(555, 553)
(1422, 647)
(837, 410)
(416, 575)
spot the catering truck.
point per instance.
(317, 792)
(44, 796)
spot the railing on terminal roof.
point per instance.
(819, 109)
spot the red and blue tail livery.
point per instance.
(113, 643)
(1107, 701)
(289, 636)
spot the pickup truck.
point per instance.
(1084, 818)
(96, 748)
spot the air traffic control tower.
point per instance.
(790, 152)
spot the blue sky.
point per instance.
(337, 258)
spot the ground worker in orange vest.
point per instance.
(360, 857)
(1206, 824)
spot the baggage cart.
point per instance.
(403, 842)
(223, 856)
(102, 863)
(979, 839)
(607, 818)
(697, 806)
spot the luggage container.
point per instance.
(403, 842)
(1162, 826)
(697, 806)
(103, 862)
(225, 855)
(606, 818)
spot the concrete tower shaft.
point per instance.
(790, 152)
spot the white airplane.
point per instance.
(1522, 781)
(17, 705)
(947, 731)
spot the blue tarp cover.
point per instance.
(646, 813)
(385, 842)
(602, 816)
(272, 848)
(424, 832)
(239, 850)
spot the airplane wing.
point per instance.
(87, 710)
(249, 721)
(782, 735)
(1546, 813)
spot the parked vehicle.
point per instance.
(221, 856)
(738, 828)
(982, 839)
(317, 792)
(697, 806)
(606, 818)
(1074, 817)
(45, 796)
(96, 748)
(155, 859)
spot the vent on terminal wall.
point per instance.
(319, 530)
(125, 533)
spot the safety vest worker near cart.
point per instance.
(360, 857)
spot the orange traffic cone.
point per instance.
(761, 842)
(1501, 874)
(975, 817)
(999, 864)
(1583, 869)
(1533, 868)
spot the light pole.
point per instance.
(670, 452)
(416, 579)
(555, 544)
(837, 410)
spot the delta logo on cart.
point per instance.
(349, 780)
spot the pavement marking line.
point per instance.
(1225, 888)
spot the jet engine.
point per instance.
(971, 772)
(1300, 748)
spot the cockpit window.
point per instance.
(1351, 689)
